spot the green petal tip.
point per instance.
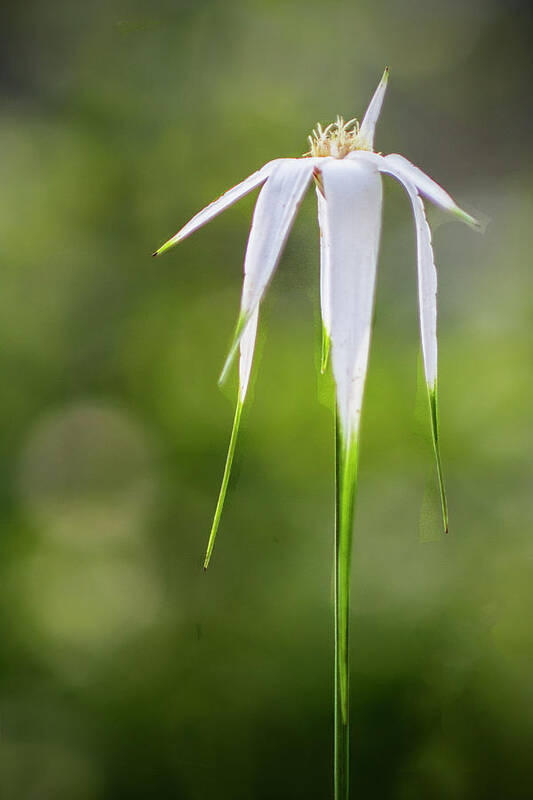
(434, 413)
(167, 246)
(472, 221)
(224, 485)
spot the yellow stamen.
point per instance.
(337, 139)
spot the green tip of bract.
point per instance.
(434, 414)
(464, 217)
(225, 482)
(237, 336)
(167, 246)
(385, 76)
(324, 356)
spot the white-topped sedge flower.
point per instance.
(347, 175)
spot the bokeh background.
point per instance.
(125, 672)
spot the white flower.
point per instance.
(347, 174)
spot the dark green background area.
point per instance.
(125, 672)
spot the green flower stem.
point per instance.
(225, 481)
(434, 414)
(346, 485)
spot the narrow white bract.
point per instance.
(219, 205)
(353, 220)
(325, 266)
(368, 125)
(275, 210)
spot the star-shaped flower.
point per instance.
(347, 174)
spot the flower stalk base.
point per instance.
(345, 490)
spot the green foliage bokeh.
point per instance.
(125, 672)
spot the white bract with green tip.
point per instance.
(347, 173)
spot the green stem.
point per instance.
(345, 489)
(225, 481)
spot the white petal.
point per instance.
(325, 267)
(427, 273)
(324, 260)
(368, 125)
(274, 214)
(427, 302)
(403, 170)
(427, 287)
(353, 205)
(247, 347)
(400, 167)
(219, 205)
(275, 210)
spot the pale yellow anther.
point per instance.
(337, 139)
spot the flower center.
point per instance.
(337, 139)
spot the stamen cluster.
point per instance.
(337, 139)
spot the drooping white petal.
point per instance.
(219, 205)
(353, 205)
(404, 170)
(275, 210)
(427, 304)
(324, 260)
(274, 214)
(368, 125)
(427, 287)
(427, 273)
(325, 266)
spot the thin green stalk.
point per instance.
(345, 490)
(225, 481)
(434, 414)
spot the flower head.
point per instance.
(347, 174)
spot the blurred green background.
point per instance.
(125, 672)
